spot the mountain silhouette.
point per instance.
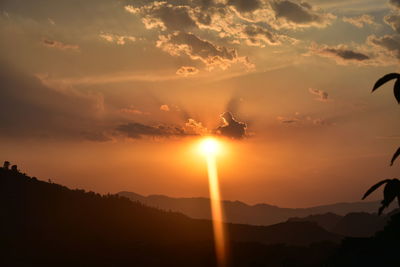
(239, 212)
(46, 224)
(355, 224)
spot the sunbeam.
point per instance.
(210, 148)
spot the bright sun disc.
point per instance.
(209, 146)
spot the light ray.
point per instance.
(210, 149)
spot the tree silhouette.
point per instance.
(385, 79)
(390, 192)
(396, 91)
(6, 165)
(392, 187)
(14, 168)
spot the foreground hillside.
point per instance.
(45, 224)
(239, 212)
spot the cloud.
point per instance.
(299, 14)
(133, 110)
(360, 21)
(322, 96)
(231, 128)
(118, 39)
(302, 120)
(258, 36)
(390, 43)
(181, 43)
(164, 16)
(59, 45)
(136, 130)
(395, 3)
(187, 71)
(164, 108)
(340, 53)
(195, 128)
(214, 24)
(245, 5)
(31, 109)
(394, 21)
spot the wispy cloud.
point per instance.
(322, 95)
(298, 120)
(118, 39)
(59, 45)
(360, 21)
(187, 71)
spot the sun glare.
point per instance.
(210, 147)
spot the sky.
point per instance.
(114, 95)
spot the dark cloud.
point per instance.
(299, 13)
(390, 43)
(165, 16)
(198, 49)
(59, 45)
(245, 5)
(137, 130)
(341, 54)
(346, 54)
(231, 128)
(395, 3)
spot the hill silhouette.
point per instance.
(239, 212)
(355, 224)
(46, 223)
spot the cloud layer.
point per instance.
(196, 28)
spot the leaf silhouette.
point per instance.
(395, 155)
(385, 79)
(396, 90)
(374, 187)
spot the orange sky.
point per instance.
(111, 95)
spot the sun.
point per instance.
(209, 146)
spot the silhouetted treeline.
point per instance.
(45, 224)
(380, 250)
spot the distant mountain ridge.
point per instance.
(242, 213)
(354, 224)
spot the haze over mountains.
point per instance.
(239, 212)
